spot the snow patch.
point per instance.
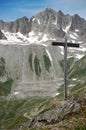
(73, 41)
(49, 55)
(13, 37)
(67, 28)
(57, 94)
(45, 38)
(83, 49)
(16, 93)
(74, 79)
(76, 34)
(62, 50)
(79, 56)
(71, 85)
(33, 19)
(31, 33)
(76, 30)
(73, 36)
(80, 41)
(38, 21)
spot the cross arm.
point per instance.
(63, 44)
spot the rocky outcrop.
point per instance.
(2, 36)
(56, 115)
(19, 25)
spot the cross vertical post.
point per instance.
(65, 45)
(65, 69)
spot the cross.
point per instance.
(65, 45)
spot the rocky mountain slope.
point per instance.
(30, 66)
(47, 24)
(29, 55)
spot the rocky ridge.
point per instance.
(56, 115)
(54, 24)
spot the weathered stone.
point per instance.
(2, 36)
(55, 115)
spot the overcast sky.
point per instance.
(13, 9)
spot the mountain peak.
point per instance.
(60, 12)
(49, 9)
(76, 16)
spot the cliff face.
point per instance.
(2, 36)
(55, 24)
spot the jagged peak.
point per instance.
(76, 16)
(49, 10)
(24, 17)
(60, 12)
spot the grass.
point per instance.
(47, 62)
(30, 61)
(70, 61)
(5, 87)
(37, 66)
(12, 111)
(12, 114)
(78, 71)
(2, 66)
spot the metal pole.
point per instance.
(65, 69)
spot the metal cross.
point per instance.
(65, 44)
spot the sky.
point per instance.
(11, 10)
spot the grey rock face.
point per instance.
(2, 36)
(55, 115)
(47, 21)
(77, 22)
(20, 25)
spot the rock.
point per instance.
(48, 21)
(2, 36)
(55, 115)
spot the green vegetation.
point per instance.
(70, 62)
(79, 69)
(47, 62)
(37, 66)
(76, 69)
(12, 111)
(30, 61)
(76, 121)
(2, 66)
(5, 87)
